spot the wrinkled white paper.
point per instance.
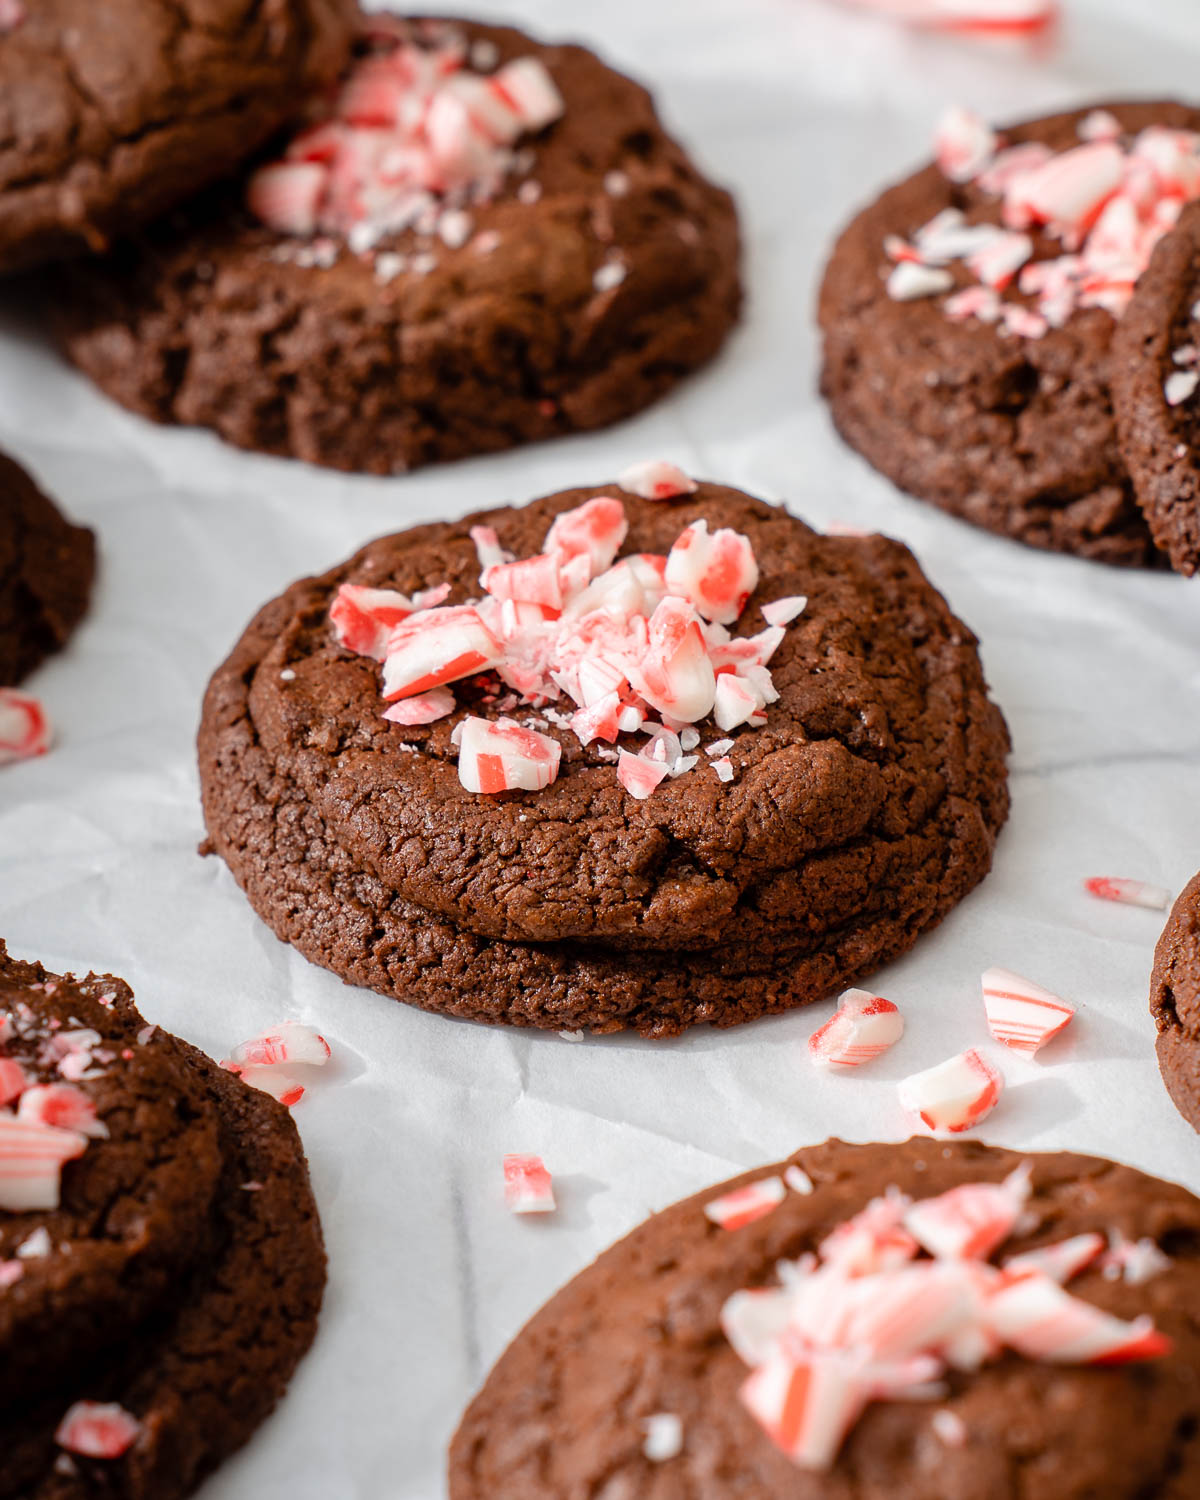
(805, 109)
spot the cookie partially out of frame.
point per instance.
(1156, 392)
(180, 1276)
(46, 571)
(111, 113)
(1014, 434)
(862, 812)
(1175, 1002)
(597, 276)
(566, 1409)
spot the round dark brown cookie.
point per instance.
(1175, 1002)
(180, 1275)
(111, 114)
(213, 319)
(1016, 435)
(1160, 438)
(564, 1411)
(46, 571)
(863, 811)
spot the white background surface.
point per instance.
(805, 109)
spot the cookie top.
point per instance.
(881, 727)
(1175, 1002)
(110, 114)
(46, 570)
(966, 409)
(1155, 375)
(639, 1335)
(136, 1178)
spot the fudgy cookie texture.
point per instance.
(181, 1273)
(1013, 434)
(637, 1333)
(859, 815)
(1175, 1002)
(214, 319)
(1155, 352)
(112, 113)
(46, 571)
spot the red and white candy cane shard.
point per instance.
(1128, 892)
(863, 1027)
(1022, 1014)
(13, 1081)
(532, 580)
(363, 618)
(675, 674)
(487, 547)
(1062, 1261)
(1015, 17)
(875, 1239)
(425, 708)
(900, 1313)
(963, 144)
(746, 1204)
(754, 1321)
(798, 1180)
(268, 1078)
(997, 263)
(656, 480)
(734, 701)
(528, 1186)
(63, 1105)
(503, 756)
(527, 84)
(290, 1042)
(1133, 1261)
(954, 1096)
(910, 282)
(287, 195)
(970, 1221)
(98, 1429)
(31, 1162)
(664, 1437)
(24, 727)
(784, 611)
(594, 530)
(1032, 1314)
(717, 573)
(434, 647)
(11, 1271)
(1069, 190)
(807, 1404)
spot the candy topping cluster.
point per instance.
(24, 728)
(639, 645)
(871, 1318)
(1107, 201)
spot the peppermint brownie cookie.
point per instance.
(110, 114)
(968, 316)
(1175, 1003)
(482, 242)
(790, 1335)
(46, 570)
(161, 1265)
(1155, 374)
(571, 792)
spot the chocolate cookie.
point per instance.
(1155, 373)
(110, 114)
(626, 1384)
(155, 1301)
(1013, 432)
(572, 280)
(46, 570)
(1175, 1003)
(862, 810)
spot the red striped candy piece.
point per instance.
(754, 1322)
(527, 84)
(1022, 1014)
(963, 144)
(864, 1026)
(970, 1221)
(656, 480)
(13, 1081)
(63, 1105)
(363, 618)
(425, 708)
(874, 1239)
(594, 530)
(31, 1161)
(807, 1405)
(24, 727)
(532, 580)
(1062, 1261)
(290, 1042)
(734, 701)
(1070, 189)
(955, 1095)
(1128, 892)
(98, 1429)
(436, 646)
(268, 1078)
(910, 282)
(1032, 1314)
(746, 1204)
(784, 611)
(287, 195)
(717, 573)
(528, 1186)
(675, 674)
(487, 546)
(503, 756)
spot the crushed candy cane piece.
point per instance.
(744, 1205)
(425, 708)
(1128, 892)
(1061, 1261)
(954, 1096)
(784, 611)
(436, 646)
(664, 1437)
(1035, 1316)
(64, 1105)
(970, 1221)
(1099, 125)
(949, 1428)
(11, 1271)
(1132, 1261)
(289, 1043)
(24, 727)
(1022, 1014)
(863, 1027)
(1179, 385)
(269, 1079)
(656, 480)
(528, 1186)
(963, 144)
(798, 1180)
(909, 282)
(717, 573)
(13, 1081)
(503, 756)
(98, 1429)
(32, 1156)
(808, 1404)
(37, 1245)
(875, 1239)
(723, 768)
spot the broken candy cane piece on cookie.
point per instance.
(1128, 892)
(717, 573)
(503, 756)
(594, 530)
(24, 727)
(1061, 1261)
(528, 1186)
(864, 1026)
(784, 611)
(664, 1437)
(1032, 1314)
(955, 1095)
(745, 1204)
(31, 1161)
(963, 144)
(268, 1079)
(656, 480)
(436, 646)
(98, 1429)
(290, 1042)
(425, 708)
(363, 618)
(13, 1081)
(64, 1105)
(1022, 1014)
(909, 282)
(970, 1221)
